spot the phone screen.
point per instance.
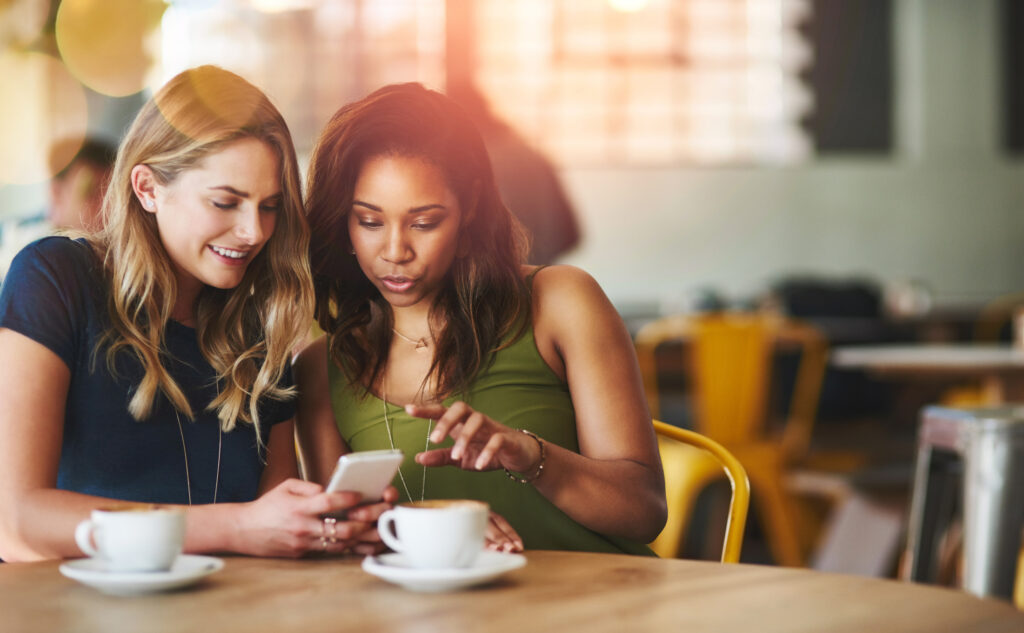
(366, 472)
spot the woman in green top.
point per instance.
(524, 380)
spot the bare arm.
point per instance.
(615, 484)
(319, 441)
(38, 521)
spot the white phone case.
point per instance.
(366, 472)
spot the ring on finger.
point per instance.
(329, 529)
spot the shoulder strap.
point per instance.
(533, 273)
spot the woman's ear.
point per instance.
(144, 186)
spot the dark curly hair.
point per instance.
(484, 304)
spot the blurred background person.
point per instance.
(527, 180)
(76, 191)
(75, 196)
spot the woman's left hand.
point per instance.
(480, 442)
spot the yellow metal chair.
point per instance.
(730, 365)
(687, 472)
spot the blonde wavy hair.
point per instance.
(246, 333)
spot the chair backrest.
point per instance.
(731, 359)
(734, 471)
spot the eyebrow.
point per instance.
(232, 190)
(373, 207)
(240, 194)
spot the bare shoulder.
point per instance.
(567, 288)
(563, 278)
(570, 306)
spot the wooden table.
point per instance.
(556, 591)
(1000, 368)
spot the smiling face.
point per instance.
(404, 227)
(215, 218)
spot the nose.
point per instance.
(249, 227)
(396, 247)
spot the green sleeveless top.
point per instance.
(518, 390)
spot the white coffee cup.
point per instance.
(441, 533)
(133, 537)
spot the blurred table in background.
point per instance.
(863, 533)
(979, 462)
(998, 367)
(971, 460)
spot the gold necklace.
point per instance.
(391, 443)
(422, 343)
(184, 450)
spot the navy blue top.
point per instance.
(55, 294)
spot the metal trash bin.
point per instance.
(974, 459)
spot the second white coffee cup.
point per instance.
(442, 533)
(133, 537)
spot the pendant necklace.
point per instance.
(391, 443)
(422, 343)
(184, 450)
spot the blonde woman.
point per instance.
(150, 362)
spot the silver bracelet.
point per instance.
(540, 466)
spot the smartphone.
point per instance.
(366, 472)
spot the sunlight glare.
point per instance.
(105, 45)
(627, 6)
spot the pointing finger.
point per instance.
(436, 457)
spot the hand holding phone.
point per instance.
(366, 472)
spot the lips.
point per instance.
(229, 255)
(396, 283)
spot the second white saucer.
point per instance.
(488, 566)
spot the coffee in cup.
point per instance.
(440, 533)
(133, 537)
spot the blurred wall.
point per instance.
(945, 208)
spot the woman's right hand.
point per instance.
(288, 521)
(501, 536)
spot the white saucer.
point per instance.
(488, 566)
(186, 570)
